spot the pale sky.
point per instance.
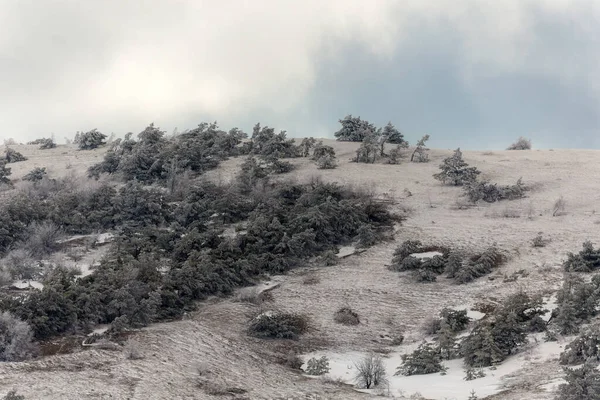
(471, 73)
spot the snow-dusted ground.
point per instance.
(388, 303)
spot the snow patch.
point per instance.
(427, 254)
(27, 285)
(451, 384)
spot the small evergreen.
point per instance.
(13, 156)
(455, 171)
(426, 359)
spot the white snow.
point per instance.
(346, 251)
(27, 284)
(427, 254)
(450, 385)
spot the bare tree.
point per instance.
(370, 372)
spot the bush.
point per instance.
(12, 395)
(35, 175)
(346, 316)
(13, 156)
(585, 348)
(307, 145)
(42, 239)
(370, 372)
(21, 265)
(45, 143)
(369, 148)
(491, 192)
(426, 359)
(577, 303)
(317, 367)
(520, 144)
(582, 384)
(4, 173)
(16, 339)
(278, 325)
(472, 374)
(587, 260)
(456, 171)
(326, 162)
(539, 241)
(90, 140)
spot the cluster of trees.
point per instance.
(455, 171)
(373, 141)
(45, 143)
(169, 250)
(456, 265)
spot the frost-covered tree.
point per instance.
(420, 153)
(16, 339)
(455, 171)
(390, 134)
(13, 156)
(369, 148)
(582, 383)
(353, 129)
(90, 140)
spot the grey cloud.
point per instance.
(470, 74)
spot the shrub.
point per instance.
(16, 339)
(370, 372)
(585, 348)
(520, 144)
(346, 316)
(90, 140)
(456, 171)
(420, 153)
(582, 384)
(4, 173)
(35, 175)
(307, 145)
(492, 193)
(577, 303)
(392, 135)
(369, 148)
(21, 265)
(278, 325)
(316, 366)
(587, 260)
(426, 359)
(395, 155)
(12, 395)
(480, 265)
(326, 162)
(353, 129)
(42, 239)
(472, 374)
(539, 241)
(45, 143)
(13, 156)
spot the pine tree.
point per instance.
(419, 154)
(456, 171)
(446, 341)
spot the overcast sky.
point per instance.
(471, 73)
